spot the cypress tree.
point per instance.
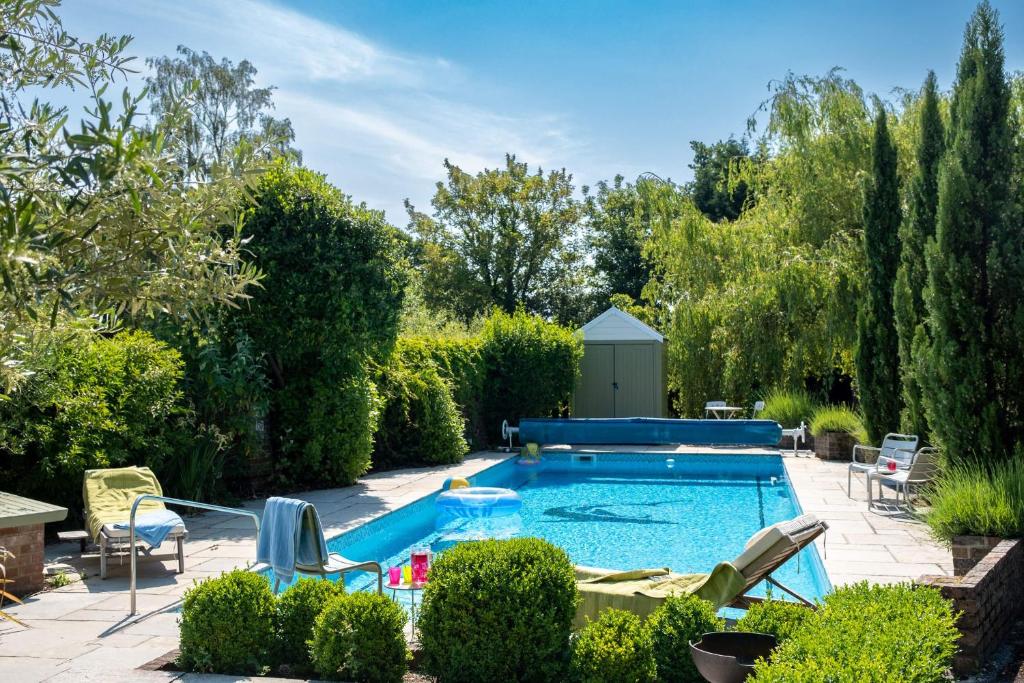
(917, 228)
(973, 374)
(877, 357)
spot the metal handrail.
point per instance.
(175, 501)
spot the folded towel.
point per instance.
(286, 541)
(153, 527)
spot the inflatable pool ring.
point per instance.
(478, 501)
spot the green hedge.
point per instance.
(297, 610)
(616, 648)
(679, 620)
(869, 633)
(91, 402)
(327, 310)
(498, 611)
(775, 617)
(360, 637)
(532, 367)
(420, 422)
(227, 624)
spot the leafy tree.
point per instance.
(227, 110)
(917, 228)
(973, 394)
(718, 188)
(877, 356)
(504, 237)
(329, 309)
(97, 220)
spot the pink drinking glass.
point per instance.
(395, 576)
(891, 465)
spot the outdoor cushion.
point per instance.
(110, 493)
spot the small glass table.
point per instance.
(411, 588)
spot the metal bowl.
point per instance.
(729, 656)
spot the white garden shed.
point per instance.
(623, 369)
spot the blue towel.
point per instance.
(153, 527)
(285, 541)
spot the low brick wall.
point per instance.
(990, 597)
(969, 550)
(25, 569)
(834, 446)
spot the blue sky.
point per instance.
(380, 92)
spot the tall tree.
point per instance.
(714, 189)
(973, 395)
(504, 237)
(918, 227)
(227, 110)
(877, 357)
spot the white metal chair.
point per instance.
(758, 407)
(924, 466)
(712, 404)
(898, 447)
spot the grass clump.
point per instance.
(615, 648)
(838, 419)
(984, 499)
(679, 620)
(788, 408)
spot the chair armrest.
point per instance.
(870, 454)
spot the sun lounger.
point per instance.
(641, 591)
(109, 494)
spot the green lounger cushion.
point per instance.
(109, 494)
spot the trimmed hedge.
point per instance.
(91, 402)
(616, 648)
(869, 633)
(227, 624)
(775, 617)
(360, 637)
(679, 620)
(498, 611)
(420, 423)
(297, 610)
(532, 367)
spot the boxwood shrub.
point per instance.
(775, 617)
(498, 611)
(869, 633)
(227, 624)
(679, 620)
(297, 610)
(616, 648)
(360, 637)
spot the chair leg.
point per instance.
(277, 584)
(181, 554)
(103, 556)
(849, 483)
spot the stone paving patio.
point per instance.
(82, 632)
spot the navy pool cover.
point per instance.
(650, 430)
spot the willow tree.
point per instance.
(973, 394)
(877, 356)
(917, 228)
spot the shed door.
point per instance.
(596, 394)
(634, 379)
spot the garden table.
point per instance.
(412, 588)
(724, 412)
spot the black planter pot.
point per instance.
(729, 656)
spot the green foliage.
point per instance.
(329, 308)
(678, 621)
(788, 408)
(616, 648)
(90, 402)
(877, 355)
(297, 610)
(979, 499)
(973, 395)
(504, 237)
(838, 419)
(360, 637)
(227, 624)
(420, 422)
(498, 611)
(871, 634)
(917, 228)
(228, 111)
(715, 188)
(775, 617)
(532, 367)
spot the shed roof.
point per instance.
(617, 325)
(18, 511)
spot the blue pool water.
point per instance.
(619, 511)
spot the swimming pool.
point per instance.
(614, 510)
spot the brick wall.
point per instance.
(26, 568)
(834, 446)
(991, 598)
(969, 550)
